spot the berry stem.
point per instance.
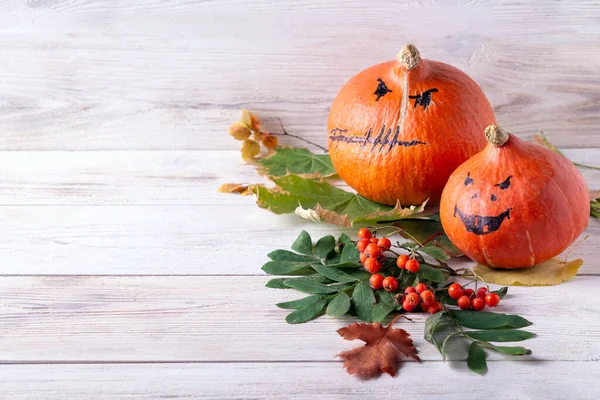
(432, 237)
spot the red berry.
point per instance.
(364, 233)
(464, 303)
(413, 266)
(420, 287)
(372, 265)
(373, 250)
(376, 281)
(361, 245)
(478, 304)
(424, 307)
(390, 284)
(363, 257)
(409, 290)
(399, 298)
(492, 299)
(401, 261)
(413, 299)
(456, 291)
(482, 292)
(384, 243)
(408, 306)
(435, 308)
(373, 240)
(428, 297)
(469, 293)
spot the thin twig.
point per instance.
(286, 133)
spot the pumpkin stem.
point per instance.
(496, 135)
(409, 57)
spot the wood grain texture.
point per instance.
(135, 240)
(297, 381)
(149, 177)
(126, 75)
(158, 319)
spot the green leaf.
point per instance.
(363, 299)
(324, 246)
(309, 286)
(432, 323)
(277, 283)
(303, 244)
(307, 312)
(287, 268)
(285, 255)
(290, 160)
(360, 274)
(431, 274)
(476, 359)
(385, 305)
(501, 335)
(434, 252)
(303, 302)
(336, 205)
(423, 230)
(501, 292)
(346, 240)
(488, 320)
(510, 350)
(339, 305)
(395, 214)
(350, 253)
(334, 274)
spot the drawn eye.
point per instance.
(494, 198)
(468, 179)
(504, 184)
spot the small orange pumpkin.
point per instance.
(514, 204)
(397, 130)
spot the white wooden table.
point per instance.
(125, 275)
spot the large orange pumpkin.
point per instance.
(397, 130)
(514, 204)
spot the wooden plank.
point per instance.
(165, 239)
(159, 319)
(98, 75)
(296, 381)
(147, 177)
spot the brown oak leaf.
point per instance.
(382, 352)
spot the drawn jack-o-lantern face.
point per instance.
(397, 130)
(514, 204)
(484, 224)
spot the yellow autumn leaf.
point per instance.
(551, 272)
(236, 188)
(250, 149)
(239, 131)
(250, 120)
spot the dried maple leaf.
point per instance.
(382, 352)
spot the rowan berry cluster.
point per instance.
(468, 299)
(372, 251)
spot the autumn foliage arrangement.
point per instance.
(407, 135)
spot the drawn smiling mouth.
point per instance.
(479, 224)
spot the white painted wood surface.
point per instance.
(125, 275)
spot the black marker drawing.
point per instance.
(423, 99)
(480, 224)
(384, 138)
(493, 197)
(381, 90)
(468, 179)
(505, 184)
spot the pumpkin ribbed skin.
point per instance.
(514, 205)
(397, 133)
